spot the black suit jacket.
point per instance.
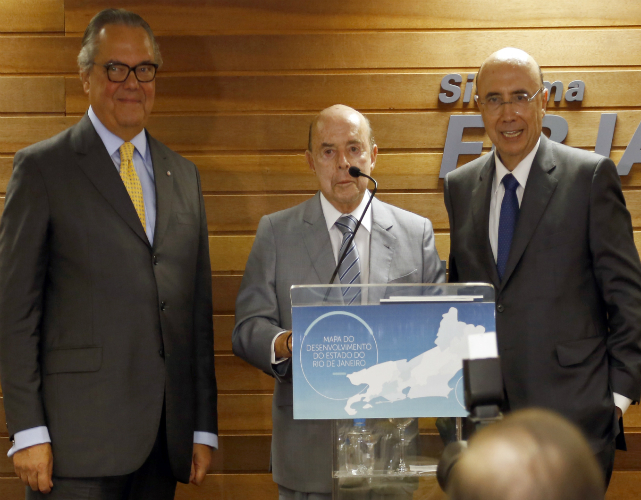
(97, 327)
(568, 313)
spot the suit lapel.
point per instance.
(480, 205)
(382, 244)
(538, 191)
(317, 242)
(164, 180)
(381, 250)
(99, 168)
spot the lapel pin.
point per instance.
(168, 172)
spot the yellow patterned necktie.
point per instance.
(130, 178)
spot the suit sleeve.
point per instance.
(257, 306)
(618, 273)
(205, 378)
(23, 267)
(453, 275)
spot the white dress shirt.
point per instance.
(521, 173)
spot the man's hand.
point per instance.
(283, 345)
(34, 466)
(200, 461)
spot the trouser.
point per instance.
(605, 459)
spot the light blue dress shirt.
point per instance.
(145, 170)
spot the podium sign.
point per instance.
(397, 355)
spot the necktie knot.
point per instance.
(346, 224)
(510, 182)
(127, 151)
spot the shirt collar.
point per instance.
(520, 173)
(112, 142)
(332, 215)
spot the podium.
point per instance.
(387, 370)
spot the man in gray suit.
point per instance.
(106, 336)
(547, 226)
(300, 246)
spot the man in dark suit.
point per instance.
(300, 246)
(547, 226)
(106, 336)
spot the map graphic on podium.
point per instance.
(392, 360)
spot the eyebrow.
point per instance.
(514, 92)
(116, 61)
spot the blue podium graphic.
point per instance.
(383, 361)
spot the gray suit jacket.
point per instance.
(293, 247)
(97, 327)
(569, 306)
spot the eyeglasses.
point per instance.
(119, 72)
(519, 102)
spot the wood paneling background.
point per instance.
(241, 81)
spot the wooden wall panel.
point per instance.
(285, 15)
(32, 16)
(378, 50)
(32, 95)
(340, 50)
(38, 54)
(244, 413)
(235, 375)
(223, 327)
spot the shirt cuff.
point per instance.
(207, 438)
(29, 437)
(622, 402)
(279, 360)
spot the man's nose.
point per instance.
(131, 81)
(343, 162)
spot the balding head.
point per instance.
(341, 137)
(531, 455)
(340, 111)
(516, 57)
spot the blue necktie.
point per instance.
(350, 270)
(507, 221)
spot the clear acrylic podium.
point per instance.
(386, 370)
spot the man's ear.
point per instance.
(84, 78)
(310, 160)
(544, 98)
(373, 155)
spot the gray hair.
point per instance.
(106, 17)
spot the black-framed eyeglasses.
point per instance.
(519, 101)
(119, 72)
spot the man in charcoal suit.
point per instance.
(300, 246)
(106, 336)
(547, 226)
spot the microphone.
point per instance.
(354, 172)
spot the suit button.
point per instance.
(500, 308)
(162, 306)
(161, 351)
(155, 261)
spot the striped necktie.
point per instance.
(130, 179)
(350, 269)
